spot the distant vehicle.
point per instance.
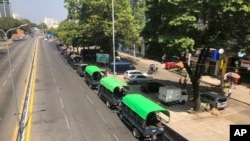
(120, 67)
(74, 60)
(173, 94)
(171, 61)
(80, 69)
(128, 73)
(136, 79)
(93, 75)
(111, 90)
(145, 117)
(151, 87)
(216, 100)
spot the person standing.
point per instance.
(229, 92)
(180, 82)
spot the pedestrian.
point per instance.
(184, 82)
(229, 92)
(180, 82)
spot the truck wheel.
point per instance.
(136, 133)
(99, 94)
(120, 116)
(108, 104)
(183, 102)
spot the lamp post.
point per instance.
(113, 33)
(10, 67)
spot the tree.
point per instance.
(8, 23)
(95, 20)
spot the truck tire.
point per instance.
(108, 104)
(183, 102)
(120, 116)
(136, 133)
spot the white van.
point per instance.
(173, 94)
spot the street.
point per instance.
(11, 102)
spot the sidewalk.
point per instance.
(201, 126)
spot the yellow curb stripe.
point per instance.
(27, 137)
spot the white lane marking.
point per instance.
(67, 121)
(54, 80)
(4, 83)
(101, 116)
(61, 103)
(52, 73)
(116, 138)
(90, 100)
(81, 87)
(57, 90)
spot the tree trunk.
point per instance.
(196, 92)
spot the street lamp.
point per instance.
(113, 32)
(11, 73)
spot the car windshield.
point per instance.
(222, 99)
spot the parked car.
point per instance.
(80, 69)
(171, 61)
(151, 87)
(216, 100)
(140, 78)
(128, 73)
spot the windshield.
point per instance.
(222, 99)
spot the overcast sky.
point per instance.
(36, 10)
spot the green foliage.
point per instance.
(95, 20)
(9, 23)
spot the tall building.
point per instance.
(15, 16)
(50, 22)
(5, 8)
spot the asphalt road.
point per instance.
(65, 108)
(10, 105)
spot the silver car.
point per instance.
(140, 78)
(216, 100)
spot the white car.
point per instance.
(129, 73)
(140, 78)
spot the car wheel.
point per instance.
(212, 106)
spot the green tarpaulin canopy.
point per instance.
(91, 69)
(142, 105)
(111, 83)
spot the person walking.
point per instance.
(229, 92)
(184, 82)
(180, 82)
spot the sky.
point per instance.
(36, 10)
